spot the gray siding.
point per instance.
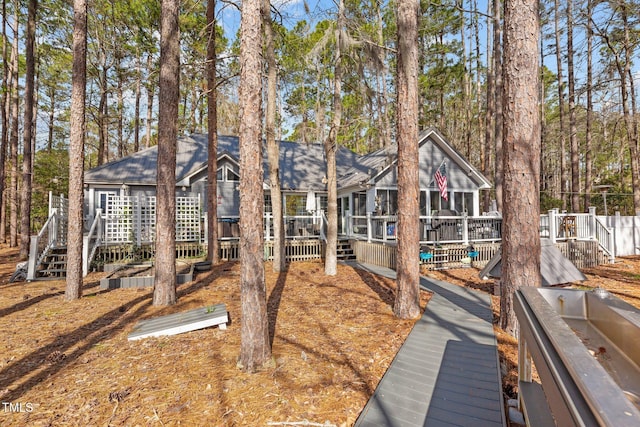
(431, 157)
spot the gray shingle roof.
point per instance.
(302, 166)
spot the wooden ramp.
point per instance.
(178, 323)
(447, 371)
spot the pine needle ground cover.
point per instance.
(71, 363)
(333, 338)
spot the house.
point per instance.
(120, 209)
(366, 184)
(120, 202)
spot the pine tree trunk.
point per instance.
(498, 73)
(521, 217)
(407, 303)
(4, 142)
(213, 254)
(573, 131)
(14, 137)
(273, 147)
(27, 159)
(564, 179)
(136, 107)
(330, 150)
(588, 155)
(150, 94)
(103, 120)
(76, 151)
(255, 348)
(631, 119)
(164, 292)
(489, 130)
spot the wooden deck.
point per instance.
(447, 372)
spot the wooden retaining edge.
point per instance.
(142, 281)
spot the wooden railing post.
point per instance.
(592, 223)
(369, 228)
(86, 241)
(33, 258)
(465, 229)
(553, 232)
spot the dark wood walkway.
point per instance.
(447, 371)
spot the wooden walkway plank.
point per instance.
(447, 372)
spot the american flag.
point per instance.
(441, 180)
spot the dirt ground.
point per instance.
(70, 363)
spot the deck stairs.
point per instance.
(53, 264)
(344, 250)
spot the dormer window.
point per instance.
(232, 176)
(226, 173)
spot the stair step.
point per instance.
(53, 270)
(54, 263)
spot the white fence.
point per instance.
(626, 233)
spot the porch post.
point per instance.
(465, 229)
(53, 230)
(612, 237)
(99, 216)
(267, 226)
(592, 223)
(552, 226)
(369, 232)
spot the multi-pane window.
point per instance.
(295, 204)
(226, 173)
(464, 202)
(360, 204)
(387, 202)
(437, 202)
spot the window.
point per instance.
(387, 202)
(226, 173)
(464, 202)
(295, 204)
(437, 202)
(267, 203)
(232, 176)
(101, 199)
(360, 204)
(324, 202)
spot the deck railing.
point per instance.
(92, 241)
(562, 226)
(49, 237)
(433, 229)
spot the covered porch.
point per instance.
(126, 228)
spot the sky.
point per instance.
(290, 11)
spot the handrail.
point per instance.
(91, 242)
(323, 226)
(41, 243)
(604, 236)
